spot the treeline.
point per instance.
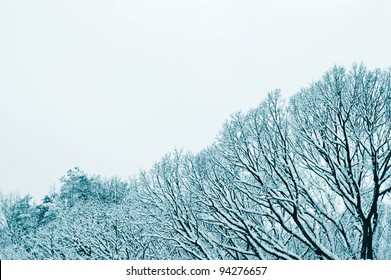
(304, 178)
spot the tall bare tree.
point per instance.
(342, 130)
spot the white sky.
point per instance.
(111, 86)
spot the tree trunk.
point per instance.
(367, 240)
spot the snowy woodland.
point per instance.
(301, 178)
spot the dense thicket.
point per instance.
(307, 178)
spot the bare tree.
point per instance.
(341, 128)
(293, 217)
(172, 206)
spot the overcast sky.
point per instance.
(112, 86)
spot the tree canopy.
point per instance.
(301, 178)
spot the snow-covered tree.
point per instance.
(342, 132)
(304, 178)
(169, 207)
